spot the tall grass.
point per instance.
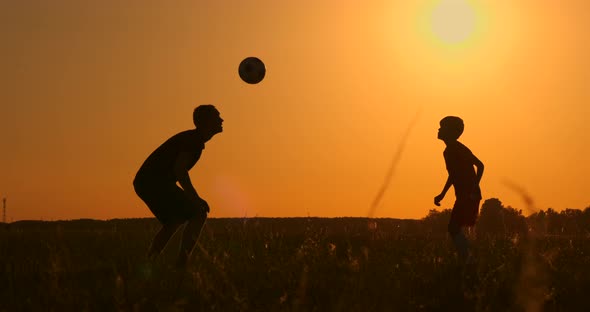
(259, 264)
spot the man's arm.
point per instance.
(181, 173)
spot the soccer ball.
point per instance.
(252, 70)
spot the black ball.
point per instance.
(252, 70)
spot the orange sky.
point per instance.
(91, 88)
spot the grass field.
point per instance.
(292, 264)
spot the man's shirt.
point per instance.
(158, 168)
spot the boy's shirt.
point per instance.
(459, 161)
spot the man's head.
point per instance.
(451, 128)
(207, 119)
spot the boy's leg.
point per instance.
(464, 214)
(162, 238)
(459, 240)
(190, 236)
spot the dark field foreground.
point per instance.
(295, 264)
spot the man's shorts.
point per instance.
(168, 203)
(464, 212)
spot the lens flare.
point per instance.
(234, 196)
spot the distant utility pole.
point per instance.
(4, 209)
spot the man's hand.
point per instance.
(438, 198)
(205, 205)
(199, 202)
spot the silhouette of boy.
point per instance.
(459, 161)
(156, 183)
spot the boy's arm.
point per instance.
(479, 168)
(476, 192)
(442, 194)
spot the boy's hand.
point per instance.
(438, 198)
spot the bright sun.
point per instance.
(453, 21)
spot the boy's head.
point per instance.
(206, 118)
(451, 128)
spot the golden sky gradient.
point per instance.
(90, 88)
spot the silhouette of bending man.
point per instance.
(459, 161)
(156, 183)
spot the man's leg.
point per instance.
(189, 237)
(162, 238)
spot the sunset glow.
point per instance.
(91, 88)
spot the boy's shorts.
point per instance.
(168, 203)
(464, 212)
